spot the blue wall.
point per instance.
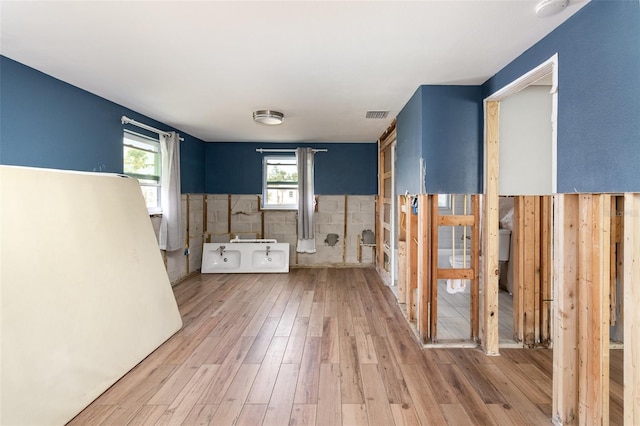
(45, 122)
(347, 168)
(442, 125)
(409, 125)
(452, 139)
(598, 97)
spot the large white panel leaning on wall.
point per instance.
(84, 292)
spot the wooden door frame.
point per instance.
(490, 219)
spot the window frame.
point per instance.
(266, 161)
(154, 148)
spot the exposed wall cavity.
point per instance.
(331, 240)
(343, 223)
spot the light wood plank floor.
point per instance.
(316, 346)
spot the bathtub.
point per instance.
(245, 256)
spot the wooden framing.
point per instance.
(532, 273)
(581, 279)
(424, 254)
(490, 328)
(412, 258)
(631, 281)
(418, 260)
(384, 232)
(402, 251)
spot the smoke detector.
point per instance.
(550, 7)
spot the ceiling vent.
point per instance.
(376, 114)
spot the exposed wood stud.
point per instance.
(187, 233)
(474, 304)
(518, 268)
(412, 260)
(435, 272)
(344, 236)
(425, 251)
(402, 251)
(631, 279)
(581, 354)
(565, 369)
(490, 336)
(229, 214)
(529, 283)
(206, 237)
(545, 269)
(262, 233)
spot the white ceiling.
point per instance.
(204, 66)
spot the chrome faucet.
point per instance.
(221, 250)
(268, 248)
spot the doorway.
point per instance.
(518, 164)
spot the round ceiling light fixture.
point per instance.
(268, 117)
(550, 7)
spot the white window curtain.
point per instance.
(171, 233)
(306, 201)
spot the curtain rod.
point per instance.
(261, 150)
(127, 120)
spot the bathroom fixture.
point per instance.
(269, 117)
(550, 7)
(245, 256)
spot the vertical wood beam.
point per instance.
(581, 352)
(402, 252)
(187, 233)
(433, 283)
(380, 210)
(206, 238)
(424, 254)
(537, 261)
(474, 304)
(593, 300)
(344, 236)
(529, 283)
(490, 336)
(631, 315)
(546, 269)
(229, 215)
(518, 268)
(412, 258)
(565, 284)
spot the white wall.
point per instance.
(526, 163)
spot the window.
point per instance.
(141, 160)
(444, 201)
(280, 183)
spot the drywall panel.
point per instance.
(409, 161)
(526, 160)
(83, 290)
(452, 139)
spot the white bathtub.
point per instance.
(245, 256)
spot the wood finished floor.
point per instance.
(316, 346)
